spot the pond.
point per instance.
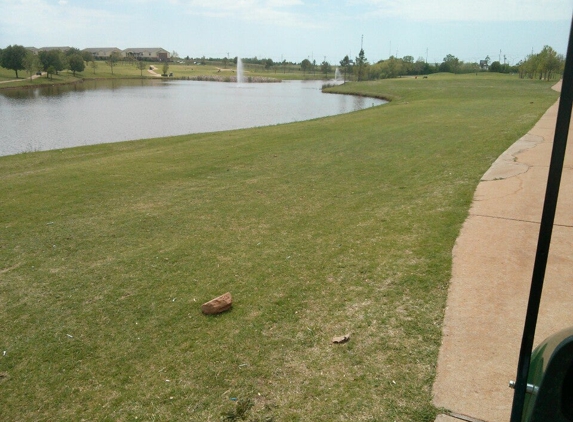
(104, 111)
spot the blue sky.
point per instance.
(296, 29)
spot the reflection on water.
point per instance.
(62, 116)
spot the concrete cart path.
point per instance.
(491, 275)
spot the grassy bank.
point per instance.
(321, 228)
(128, 70)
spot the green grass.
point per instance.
(321, 228)
(128, 70)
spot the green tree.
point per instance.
(112, 60)
(407, 65)
(141, 65)
(52, 58)
(345, 64)
(325, 67)
(76, 63)
(305, 65)
(165, 69)
(88, 57)
(495, 67)
(31, 63)
(13, 58)
(50, 71)
(71, 51)
(361, 62)
(549, 63)
(93, 65)
(268, 64)
(421, 67)
(450, 64)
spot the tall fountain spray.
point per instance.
(240, 72)
(338, 76)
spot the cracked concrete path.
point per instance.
(491, 275)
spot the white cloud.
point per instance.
(470, 11)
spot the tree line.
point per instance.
(546, 64)
(17, 57)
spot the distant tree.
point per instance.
(87, 56)
(76, 63)
(50, 71)
(13, 58)
(305, 65)
(165, 68)
(52, 58)
(450, 64)
(129, 59)
(112, 60)
(225, 61)
(361, 62)
(550, 63)
(64, 61)
(345, 64)
(284, 63)
(93, 65)
(421, 67)
(495, 67)
(141, 65)
(31, 63)
(71, 51)
(468, 67)
(407, 65)
(314, 67)
(394, 67)
(325, 67)
(268, 64)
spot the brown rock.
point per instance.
(219, 304)
(341, 339)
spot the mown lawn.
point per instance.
(321, 228)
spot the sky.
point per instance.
(505, 30)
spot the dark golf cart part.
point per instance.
(553, 395)
(550, 382)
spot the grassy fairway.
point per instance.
(321, 228)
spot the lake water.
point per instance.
(95, 112)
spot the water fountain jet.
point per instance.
(240, 71)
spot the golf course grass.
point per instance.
(340, 225)
(126, 70)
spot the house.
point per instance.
(150, 54)
(483, 64)
(103, 52)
